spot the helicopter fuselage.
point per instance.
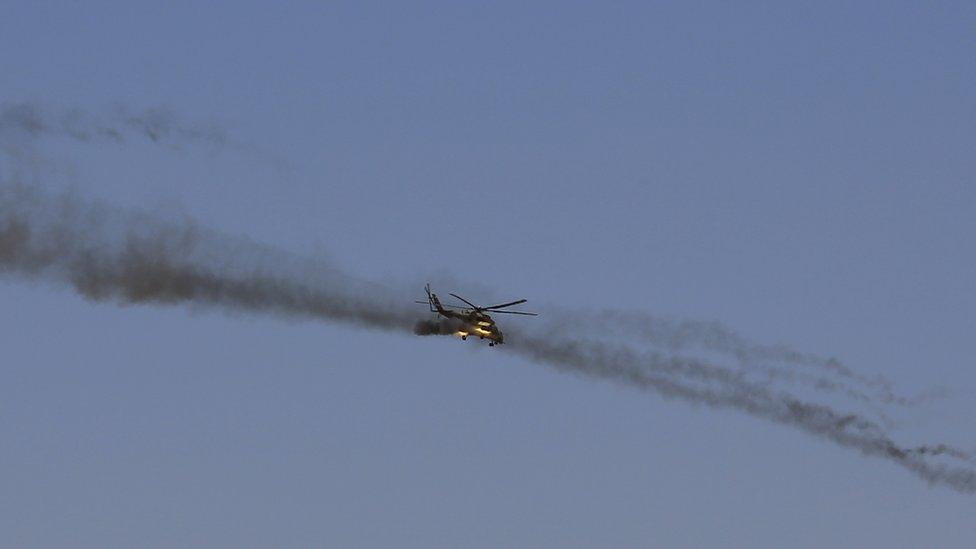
(473, 323)
(473, 320)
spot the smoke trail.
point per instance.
(106, 255)
(679, 335)
(714, 336)
(773, 362)
(943, 449)
(110, 255)
(671, 377)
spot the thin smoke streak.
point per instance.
(25, 122)
(158, 125)
(775, 362)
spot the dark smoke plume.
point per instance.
(108, 255)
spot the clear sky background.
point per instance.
(800, 171)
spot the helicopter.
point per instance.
(474, 320)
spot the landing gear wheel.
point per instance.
(464, 338)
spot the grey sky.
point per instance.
(801, 174)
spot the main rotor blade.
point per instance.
(515, 313)
(506, 304)
(466, 301)
(444, 306)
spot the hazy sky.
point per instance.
(803, 174)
